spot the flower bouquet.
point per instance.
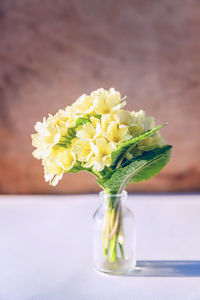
(117, 146)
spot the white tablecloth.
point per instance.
(46, 249)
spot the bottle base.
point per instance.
(116, 268)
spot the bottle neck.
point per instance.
(112, 200)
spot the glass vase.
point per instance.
(114, 239)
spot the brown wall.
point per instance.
(53, 51)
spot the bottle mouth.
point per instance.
(104, 195)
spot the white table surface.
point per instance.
(46, 249)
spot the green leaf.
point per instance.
(81, 121)
(152, 168)
(65, 140)
(118, 155)
(71, 133)
(145, 166)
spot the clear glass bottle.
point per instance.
(114, 235)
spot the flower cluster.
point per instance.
(85, 133)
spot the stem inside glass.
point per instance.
(113, 235)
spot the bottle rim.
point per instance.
(104, 195)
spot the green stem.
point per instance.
(106, 234)
(124, 155)
(113, 233)
(121, 251)
(113, 249)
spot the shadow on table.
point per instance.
(166, 268)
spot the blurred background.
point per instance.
(51, 52)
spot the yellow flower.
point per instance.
(102, 150)
(139, 115)
(142, 124)
(136, 130)
(95, 122)
(138, 127)
(106, 102)
(83, 149)
(150, 143)
(83, 105)
(149, 123)
(64, 118)
(52, 172)
(48, 134)
(89, 132)
(116, 134)
(106, 121)
(125, 118)
(90, 161)
(58, 161)
(65, 159)
(60, 142)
